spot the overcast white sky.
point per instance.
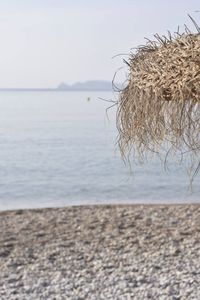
(44, 42)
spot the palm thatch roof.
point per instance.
(160, 106)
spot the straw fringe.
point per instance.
(161, 103)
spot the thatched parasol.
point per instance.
(160, 106)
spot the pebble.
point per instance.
(101, 252)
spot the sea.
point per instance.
(60, 148)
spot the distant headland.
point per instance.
(92, 85)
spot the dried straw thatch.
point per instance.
(160, 106)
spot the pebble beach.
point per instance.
(101, 252)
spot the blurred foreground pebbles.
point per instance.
(101, 252)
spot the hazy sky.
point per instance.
(44, 42)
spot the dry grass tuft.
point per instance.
(160, 107)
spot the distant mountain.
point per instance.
(92, 85)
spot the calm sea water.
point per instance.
(60, 149)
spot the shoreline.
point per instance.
(102, 205)
(101, 252)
